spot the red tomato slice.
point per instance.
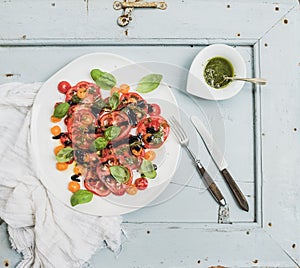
(92, 90)
(116, 118)
(154, 131)
(93, 184)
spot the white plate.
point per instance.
(42, 143)
(196, 84)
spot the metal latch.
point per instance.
(128, 7)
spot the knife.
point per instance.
(220, 162)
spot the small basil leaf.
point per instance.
(112, 132)
(75, 99)
(81, 197)
(65, 155)
(149, 83)
(103, 79)
(114, 101)
(121, 174)
(148, 169)
(100, 143)
(61, 110)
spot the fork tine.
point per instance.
(179, 127)
(174, 130)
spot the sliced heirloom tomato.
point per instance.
(133, 99)
(118, 119)
(103, 173)
(154, 131)
(90, 91)
(93, 184)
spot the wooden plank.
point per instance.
(195, 248)
(280, 64)
(92, 21)
(8, 256)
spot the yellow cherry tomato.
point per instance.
(55, 130)
(73, 186)
(150, 155)
(61, 166)
(82, 93)
(132, 190)
(58, 148)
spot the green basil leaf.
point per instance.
(114, 101)
(95, 74)
(147, 169)
(149, 83)
(121, 174)
(65, 155)
(81, 197)
(100, 143)
(61, 110)
(150, 175)
(112, 132)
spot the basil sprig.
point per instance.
(121, 174)
(65, 155)
(148, 83)
(61, 110)
(148, 169)
(114, 101)
(81, 197)
(103, 79)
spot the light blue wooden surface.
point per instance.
(261, 125)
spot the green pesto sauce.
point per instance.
(215, 70)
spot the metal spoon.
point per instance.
(259, 81)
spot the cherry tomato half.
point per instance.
(63, 87)
(141, 183)
(153, 109)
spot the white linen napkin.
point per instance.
(45, 231)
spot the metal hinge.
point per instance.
(128, 7)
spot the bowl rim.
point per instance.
(196, 84)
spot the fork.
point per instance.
(183, 139)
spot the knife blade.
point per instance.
(220, 162)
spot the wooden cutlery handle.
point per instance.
(213, 188)
(235, 190)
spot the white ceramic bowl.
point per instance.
(196, 84)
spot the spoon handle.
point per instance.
(259, 81)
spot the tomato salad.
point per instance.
(110, 141)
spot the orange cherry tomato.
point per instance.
(55, 119)
(124, 88)
(55, 130)
(150, 155)
(61, 166)
(73, 186)
(132, 190)
(58, 148)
